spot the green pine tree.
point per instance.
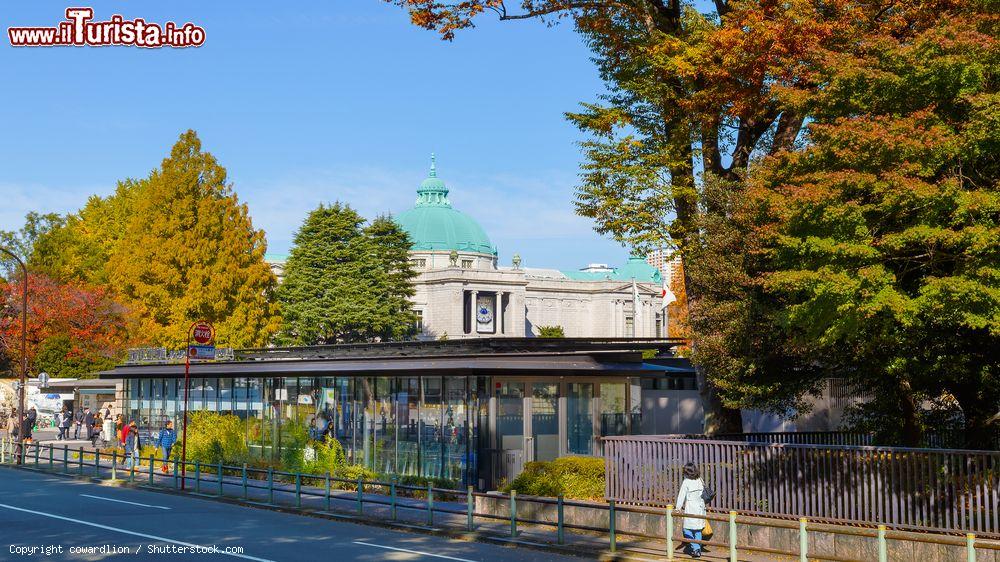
(346, 282)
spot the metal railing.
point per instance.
(917, 489)
(294, 489)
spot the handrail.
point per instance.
(94, 468)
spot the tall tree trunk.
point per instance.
(718, 417)
(911, 432)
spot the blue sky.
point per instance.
(307, 102)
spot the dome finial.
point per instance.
(433, 167)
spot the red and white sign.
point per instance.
(203, 333)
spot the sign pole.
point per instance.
(187, 388)
(204, 334)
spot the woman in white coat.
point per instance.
(689, 499)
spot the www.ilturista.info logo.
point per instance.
(78, 30)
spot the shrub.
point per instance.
(294, 438)
(579, 478)
(214, 438)
(330, 457)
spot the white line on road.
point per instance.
(133, 533)
(413, 551)
(123, 501)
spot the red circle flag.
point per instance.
(203, 333)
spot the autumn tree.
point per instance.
(346, 281)
(81, 245)
(73, 329)
(190, 252)
(874, 251)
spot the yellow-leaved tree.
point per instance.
(191, 252)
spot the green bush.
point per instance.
(330, 457)
(294, 439)
(214, 438)
(579, 478)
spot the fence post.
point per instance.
(298, 489)
(50, 456)
(430, 504)
(612, 536)
(513, 513)
(152, 463)
(883, 551)
(970, 547)
(114, 465)
(197, 477)
(97, 463)
(670, 532)
(392, 496)
(270, 485)
(469, 509)
(327, 486)
(65, 458)
(79, 465)
(36, 454)
(221, 492)
(3, 450)
(244, 479)
(176, 483)
(361, 503)
(560, 531)
(732, 536)
(803, 541)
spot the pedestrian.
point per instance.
(166, 441)
(29, 422)
(95, 431)
(65, 418)
(132, 445)
(689, 499)
(88, 423)
(108, 431)
(77, 422)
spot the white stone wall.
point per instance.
(582, 308)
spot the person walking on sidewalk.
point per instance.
(77, 422)
(88, 423)
(131, 434)
(65, 418)
(166, 441)
(689, 498)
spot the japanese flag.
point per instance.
(667, 296)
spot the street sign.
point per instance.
(203, 333)
(201, 352)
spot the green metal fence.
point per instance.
(240, 480)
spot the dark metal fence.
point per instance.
(942, 438)
(940, 489)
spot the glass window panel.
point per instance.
(431, 419)
(580, 418)
(455, 433)
(408, 421)
(613, 420)
(510, 416)
(545, 420)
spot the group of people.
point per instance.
(130, 438)
(27, 426)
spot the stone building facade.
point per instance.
(462, 291)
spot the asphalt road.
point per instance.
(41, 513)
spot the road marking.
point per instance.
(133, 533)
(413, 551)
(123, 501)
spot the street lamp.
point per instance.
(24, 354)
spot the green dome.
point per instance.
(637, 268)
(434, 225)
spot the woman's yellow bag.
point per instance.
(707, 531)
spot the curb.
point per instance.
(497, 540)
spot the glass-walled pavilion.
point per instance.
(465, 420)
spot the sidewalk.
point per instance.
(449, 517)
